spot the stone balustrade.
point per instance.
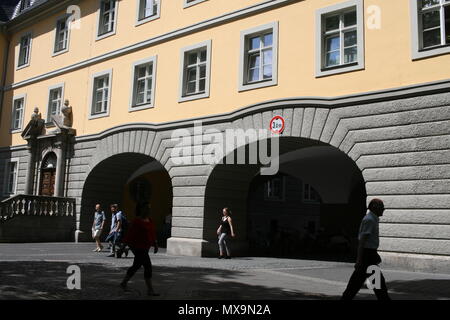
(26, 205)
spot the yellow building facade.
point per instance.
(362, 85)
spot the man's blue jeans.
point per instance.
(115, 238)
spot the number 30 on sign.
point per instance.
(277, 124)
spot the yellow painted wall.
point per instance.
(387, 54)
(83, 43)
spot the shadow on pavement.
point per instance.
(425, 288)
(47, 280)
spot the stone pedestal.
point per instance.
(29, 180)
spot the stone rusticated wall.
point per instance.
(401, 146)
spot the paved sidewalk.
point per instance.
(38, 271)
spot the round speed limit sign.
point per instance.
(277, 124)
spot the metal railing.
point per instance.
(26, 205)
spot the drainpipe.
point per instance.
(5, 65)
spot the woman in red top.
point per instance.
(140, 238)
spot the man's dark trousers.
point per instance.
(370, 257)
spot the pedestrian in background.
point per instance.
(97, 226)
(224, 232)
(140, 238)
(121, 229)
(112, 236)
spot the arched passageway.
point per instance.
(125, 179)
(311, 208)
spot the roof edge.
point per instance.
(36, 12)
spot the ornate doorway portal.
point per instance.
(48, 176)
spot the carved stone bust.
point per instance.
(64, 121)
(36, 114)
(67, 115)
(35, 126)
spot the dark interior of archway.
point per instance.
(286, 224)
(324, 227)
(109, 183)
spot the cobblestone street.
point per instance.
(38, 271)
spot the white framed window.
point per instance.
(310, 194)
(61, 44)
(340, 38)
(23, 59)
(259, 57)
(147, 10)
(107, 19)
(274, 189)
(55, 101)
(190, 3)
(143, 84)
(100, 95)
(195, 62)
(18, 109)
(430, 27)
(11, 174)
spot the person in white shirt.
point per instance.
(97, 227)
(367, 254)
